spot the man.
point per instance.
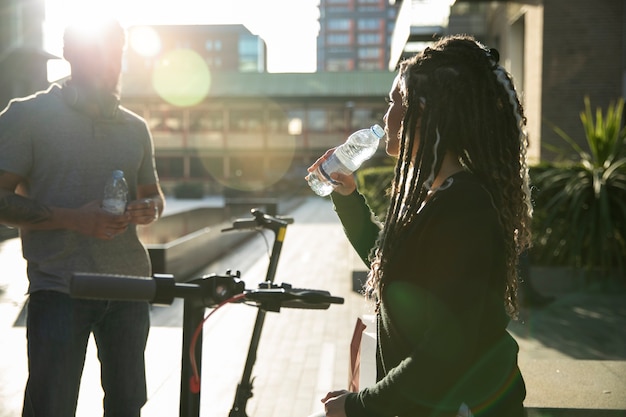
(57, 149)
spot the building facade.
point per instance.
(355, 35)
(220, 47)
(253, 130)
(558, 51)
(257, 131)
(23, 62)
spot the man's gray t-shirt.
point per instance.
(66, 156)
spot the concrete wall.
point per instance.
(583, 54)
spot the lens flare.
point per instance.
(145, 41)
(182, 78)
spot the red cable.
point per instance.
(194, 381)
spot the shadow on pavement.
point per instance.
(579, 325)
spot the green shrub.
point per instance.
(374, 183)
(580, 201)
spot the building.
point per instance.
(218, 121)
(256, 131)
(22, 59)
(355, 35)
(238, 127)
(558, 51)
(219, 47)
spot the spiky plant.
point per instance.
(580, 202)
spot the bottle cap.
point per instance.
(378, 131)
(118, 173)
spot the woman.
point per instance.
(443, 268)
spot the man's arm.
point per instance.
(28, 214)
(19, 211)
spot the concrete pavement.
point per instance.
(572, 352)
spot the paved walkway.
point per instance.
(573, 352)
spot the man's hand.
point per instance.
(143, 211)
(92, 220)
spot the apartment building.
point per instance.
(355, 35)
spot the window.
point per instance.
(337, 5)
(295, 121)
(170, 167)
(206, 121)
(338, 39)
(370, 39)
(336, 120)
(340, 64)
(339, 24)
(365, 53)
(370, 65)
(317, 120)
(249, 56)
(165, 121)
(277, 121)
(369, 24)
(246, 120)
(366, 117)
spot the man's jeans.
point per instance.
(58, 329)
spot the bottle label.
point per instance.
(333, 164)
(114, 205)
(327, 175)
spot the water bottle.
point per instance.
(346, 159)
(115, 193)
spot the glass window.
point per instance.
(170, 167)
(249, 56)
(165, 121)
(365, 53)
(369, 24)
(295, 121)
(206, 121)
(338, 39)
(317, 120)
(336, 120)
(339, 24)
(366, 117)
(246, 120)
(277, 121)
(344, 64)
(370, 65)
(248, 45)
(370, 39)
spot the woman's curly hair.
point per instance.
(462, 101)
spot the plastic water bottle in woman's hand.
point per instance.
(346, 159)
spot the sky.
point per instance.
(289, 27)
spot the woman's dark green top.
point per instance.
(442, 338)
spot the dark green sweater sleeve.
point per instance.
(359, 223)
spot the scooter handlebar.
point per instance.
(113, 287)
(302, 298)
(162, 289)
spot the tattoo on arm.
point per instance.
(18, 210)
